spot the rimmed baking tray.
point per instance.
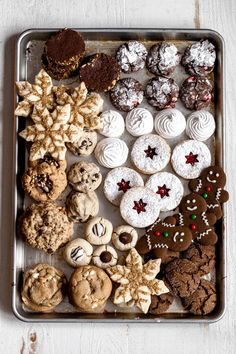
(26, 68)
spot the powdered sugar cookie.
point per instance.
(189, 158)
(124, 237)
(150, 153)
(168, 188)
(118, 181)
(105, 256)
(139, 207)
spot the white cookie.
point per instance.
(112, 124)
(168, 188)
(170, 123)
(105, 256)
(98, 231)
(118, 181)
(139, 121)
(200, 125)
(111, 152)
(124, 237)
(78, 252)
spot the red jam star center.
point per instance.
(163, 191)
(123, 185)
(139, 206)
(150, 152)
(191, 158)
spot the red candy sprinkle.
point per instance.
(163, 191)
(191, 158)
(193, 227)
(123, 185)
(208, 189)
(157, 233)
(139, 206)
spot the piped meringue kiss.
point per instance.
(113, 125)
(170, 123)
(139, 121)
(111, 152)
(200, 125)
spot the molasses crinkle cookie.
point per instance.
(131, 56)
(170, 123)
(111, 152)
(112, 124)
(124, 237)
(139, 121)
(200, 125)
(105, 256)
(126, 94)
(150, 153)
(162, 58)
(43, 287)
(189, 158)
(98, 231)
(196, 92)
(199, 58)
(118, 181)
(140, 207)
(78, 252)
(168, 188)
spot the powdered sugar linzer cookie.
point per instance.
(189, 158)
(140, 207)
(168, 188)
(111, 152)
(118, 181)
(150, 153)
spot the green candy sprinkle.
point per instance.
(193, 216)
(205, 195)
(165, 234)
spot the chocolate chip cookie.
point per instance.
(202, 256)
(84, 176)
(45, 226)
(89, 289)
(43, 287)
(84, 144)
(44, 182)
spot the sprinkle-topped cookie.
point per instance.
(196, 92)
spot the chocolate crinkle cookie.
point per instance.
(162, 92)
(203, 300)
(160, 304)
(196, 92)
(131, 56)
(100, 72)
(202, 256)
(199, 58)
(182, 277)
(162, 59)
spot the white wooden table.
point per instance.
(23, 338)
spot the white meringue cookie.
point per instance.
(200, 125)
(112, 124)
(111, 152)
(139, 121)
(170, 123)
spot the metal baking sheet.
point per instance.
(28, 52)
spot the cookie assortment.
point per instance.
(143, 178)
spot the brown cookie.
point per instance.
(164, 235)
(50, 161)
(160, 304)
(182, 277)
(196, 92)
(193, 215)
(170, 256)
(84, 176)
(203, 300)
(84, 144)
(202, 256)
(210, 185)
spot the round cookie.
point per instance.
(139, 207)
(124, 237)
(162, 92)
(182, 277)
(84, 144)
(139, 121)
(98, 231)
(162, 59)
(196, 92)
(89, 289)
(131, 56)
(126, 94)
(111, 152)
(200, 125)
(45, 226)
(199, 58)
(203, 300)
(202, 256)
(118, 181)
(160, 304)
(78, 252)
(84, 176)
(50, 161)
(43, 287)
(150, 153)
(170, 123)
(112, 124)
(44, 182)
(189, 158)
(105, 256)
(82, 206)
(100, 72)
(168, 188)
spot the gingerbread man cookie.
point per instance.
(210, 185)
(193, 214)
(164, 235)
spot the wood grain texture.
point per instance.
(17, 337)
